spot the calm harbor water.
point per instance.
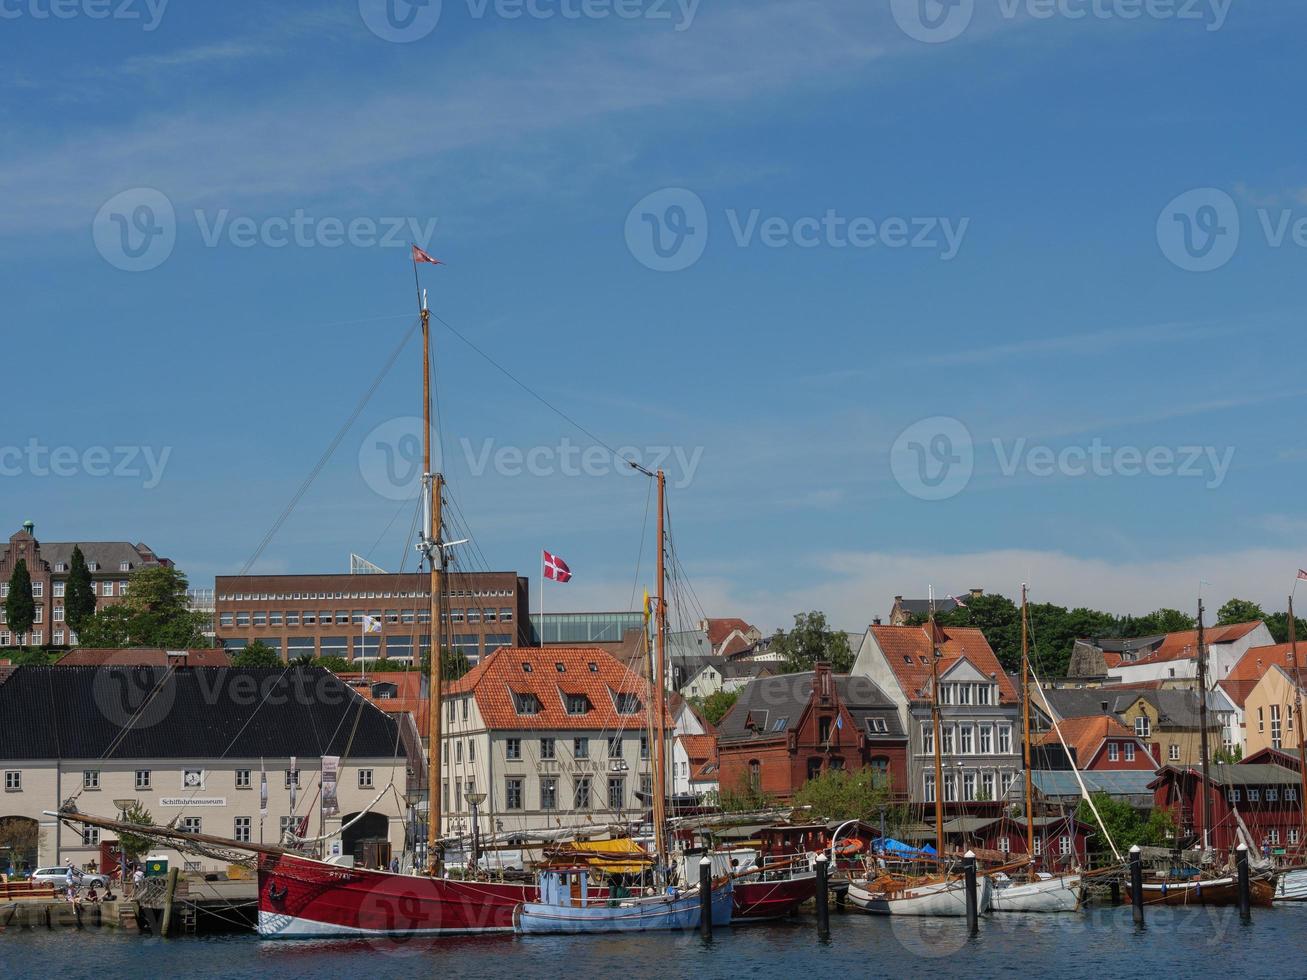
(1101, 943)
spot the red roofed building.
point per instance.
(980, 722)
(1102, 744)
(1244, 677)
(729, 637)
(554, 736)
(1174, 656)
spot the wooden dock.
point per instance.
(198, 906)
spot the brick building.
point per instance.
(110, 563)
(785, 730)
(322, 615)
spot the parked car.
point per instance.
(59, 877)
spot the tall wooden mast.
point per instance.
(1025, 725)
(660, 671)
(935, 654)
(1202, 726)
(1298, 722)
(434, 551)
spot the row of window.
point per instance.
(970, 693)
(396, 647)
(294, 596)
(1063, 845)
(973, 785)
(1273, 836)
(1255, 794)
(36, 638)
(242, 830)
(1115, 750)
(968, 739)
(191, 778)
(354, 617)
(59, 589)
(583, 793)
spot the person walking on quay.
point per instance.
(70, 884)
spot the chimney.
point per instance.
(821, 685)
(1103, 705)
(875, 621)
(977, 593)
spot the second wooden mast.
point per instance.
(433, 550)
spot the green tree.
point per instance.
(135, 846)
(32, 657)
(1278, 624)
(304, 660)
(812, 642)
(155, 613)
(20, 607)
(337, 665)
(1154, 623)
(257, 654)
(1125, 825)
(840, 794)
(715, 705)
(79, 598)
(745, 797)
(1238, 611)
(453, 664)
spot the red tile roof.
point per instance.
(1253, 665)
(720, 629)
(699, 748)
(1086, 735)
(1184, 645)
(1112, 659)
(908, 652)
(500, 675)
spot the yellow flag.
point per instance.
(647, 609)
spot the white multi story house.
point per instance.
(980, 716)
(553, 737)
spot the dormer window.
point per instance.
(877, 726)
(627, 704)
(526, 704)
(124, 566)
(61, 566)
(577, 704)
(92, 566)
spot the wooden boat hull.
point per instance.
(1292, 886)
(758, 901)
(302, 898)
(658, 913)
(942, 898)
(1047, 895)
(1217, 891)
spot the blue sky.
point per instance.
(870, 233)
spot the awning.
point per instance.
(622, 856)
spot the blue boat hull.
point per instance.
(660, 913)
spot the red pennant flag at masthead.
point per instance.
(556, 568)
(421, 256)
(1302, 575)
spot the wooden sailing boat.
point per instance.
(1060, 893)
(936, 894)
(566, 904)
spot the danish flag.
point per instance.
(421, 256)
(556, 568)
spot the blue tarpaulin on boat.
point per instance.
(888, 845)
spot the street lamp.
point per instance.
(475, 799)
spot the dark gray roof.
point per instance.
(1176, 708)
(1063, 783)
(777, 703)
(921, 607)
(1240, 774)
(109, 555)
(189, 712)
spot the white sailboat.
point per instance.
(889, 895)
